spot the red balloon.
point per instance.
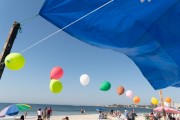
(120, 90)
(56, 73)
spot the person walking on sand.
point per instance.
(125, 113)
(49, 113)
(44, 113)
(25, 114)
(39, 114)
(132, 115)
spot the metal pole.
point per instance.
(162, 103)
(8, 45)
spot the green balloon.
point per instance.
(55, 86)
(105, 86)
(14, 61)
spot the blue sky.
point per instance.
(31, 84)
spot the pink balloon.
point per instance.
(129, 93)
(56, 73)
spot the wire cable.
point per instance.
(42, 40)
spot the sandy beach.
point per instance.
(91, 117)
(74, 117)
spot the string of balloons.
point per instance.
(16, 61)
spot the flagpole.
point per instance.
(162, 104)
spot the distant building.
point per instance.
(176, 105)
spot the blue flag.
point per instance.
(147, 32)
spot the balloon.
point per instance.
(56, 73)
(120, 90)
(154, 101)
(84, 79)
(129, 93)
(105, 86)
(54, 79)
(168, 99)
(136, 99)
(14, 61)
(55, 86)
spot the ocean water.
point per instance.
(73, 110)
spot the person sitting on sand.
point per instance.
(111, 112)
(83, 111)
(151, 116)
(102, 115)
(22, 117)
(66, 118)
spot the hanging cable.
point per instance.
(65, 27)
(23, 22)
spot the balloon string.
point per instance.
(22, 23)
(66, 26)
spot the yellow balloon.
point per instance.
(154, 101)
(14, 61)
(55, 86)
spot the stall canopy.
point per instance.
(147, 32)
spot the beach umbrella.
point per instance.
(167, 110)
(99, 109)
(147, 32)
(14, 109)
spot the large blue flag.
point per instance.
(147, 32)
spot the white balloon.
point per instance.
(129, 93)
(84, 79)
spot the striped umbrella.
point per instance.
(14, 109)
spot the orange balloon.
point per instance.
(168, 99)
(136, 99)
(120, 90)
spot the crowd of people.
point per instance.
(44, 114)
(126, 115)
(116, 113)
(158, 116)
(103, 115)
